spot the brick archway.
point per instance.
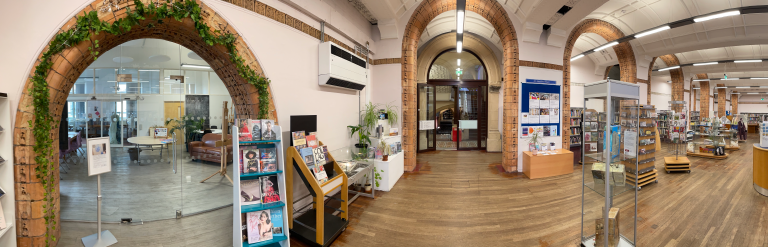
(676, 75)
(67, 67)
(623, 51)
(492, 11)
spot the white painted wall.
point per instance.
(582, 72)
(661, 92)
(386, 86)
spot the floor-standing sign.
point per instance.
(99, 161)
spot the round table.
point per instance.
(147, 141)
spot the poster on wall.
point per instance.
(533, 116)
(544, 115)
(525, 132)
(554, 101)
(543, 100)
(99, 156)
(524, 118)
(533, 100)
(554, 115)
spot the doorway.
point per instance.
(453, 104)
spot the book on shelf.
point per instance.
(277, 221)
(245, 133)
(259, 226)
(270, 191)
(308, 156)
(268, 159)
(299, 140)
(250, 192)
(319, 156)
(311, 141)
(251, 158)
(320, 174)
(255, 125)
(267, 133)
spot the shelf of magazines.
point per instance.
(259, 203)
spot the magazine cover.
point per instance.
(546, 130)
(399, 147)
(319, 156)
(250, 193)
(309, 159)
(259, 226)
(325, 151)
(250, 160)
(267, 133)
(245, 132)
(270, 192)
(299, 140)
(268, 159)
(320, 174)
(255, 125)
(277, 221)
(311, 141)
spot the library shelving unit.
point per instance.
(646, 153)
(240, 210)
(8, 201)
(576, 138)
(702, 146)
(662, 122)
(678, 137)
(605, 192)
(590, 136)
(318, 227)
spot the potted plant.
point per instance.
(535, 139)
(384, 151)
(392, 114)
(368, 187)
(377, 176)
(188, 125)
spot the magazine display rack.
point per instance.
(606, 195)
(8, 201)
(317, 226)
(239, 209)
(678, 137)
(646, 173)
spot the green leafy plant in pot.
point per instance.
(188, 125)
(535, 139)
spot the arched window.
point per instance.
(451, 65)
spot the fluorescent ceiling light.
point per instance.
(668, 68)
(735, 93)
(458, 46)
(652, 31)
(696, 88)
(149, 70)
(606, 46)
(195, 66)
(458, 62)
(741, 87)
(758, 78)
(753, 93)
(748, 61)
(577, 57)
(715, 16)
(700, 64)
(701, 80)
(720, 87)
(460, 21)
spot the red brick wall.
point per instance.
(67, 68)
(703, 95)
(678, 92)
(623, 51)
(734, 104)
(494, 12)
(721, 101)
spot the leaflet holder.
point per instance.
(316, 226)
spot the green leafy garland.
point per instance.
(86, 28)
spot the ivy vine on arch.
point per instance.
(86, 27)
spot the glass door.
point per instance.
(470, 108)
(111, 122)
(446, 134)
(427, 123)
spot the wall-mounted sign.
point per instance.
(540, 81)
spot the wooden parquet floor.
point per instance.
(461, 199)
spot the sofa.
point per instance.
(206, 149)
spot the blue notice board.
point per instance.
(528, 88)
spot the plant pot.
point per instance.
(358, 187)
(385, 158)
(368, 188)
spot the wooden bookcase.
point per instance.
(239, 209)
(316, 226)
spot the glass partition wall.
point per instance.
(124, 96)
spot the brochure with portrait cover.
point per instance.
(250, 160)
(270, 192)
(268, 159)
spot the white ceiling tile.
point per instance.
(757, 31)
(689, 38)
(709, 6)
(726, 22)
(756, 19)
(637, 21)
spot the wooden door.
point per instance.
(174, 110)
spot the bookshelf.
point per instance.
(577, 146)
(316, 226)
(8, 201)
(240, 210)
(662, 123)
(646, 172)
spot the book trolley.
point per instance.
(316, 226)
(239, 209)
(609, 203)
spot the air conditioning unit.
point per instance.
(340, 68)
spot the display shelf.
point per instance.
(8, 226)
(8, 201)
(643, 179)
(259, 207)
(239, 209)
(619, 126)
(247, 176)
(275, 240)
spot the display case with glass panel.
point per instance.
(608, 199)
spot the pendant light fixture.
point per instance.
(461, 5)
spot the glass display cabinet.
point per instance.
(608, 199)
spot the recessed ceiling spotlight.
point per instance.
(122, 59)
(193, 55)
(159, 58)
